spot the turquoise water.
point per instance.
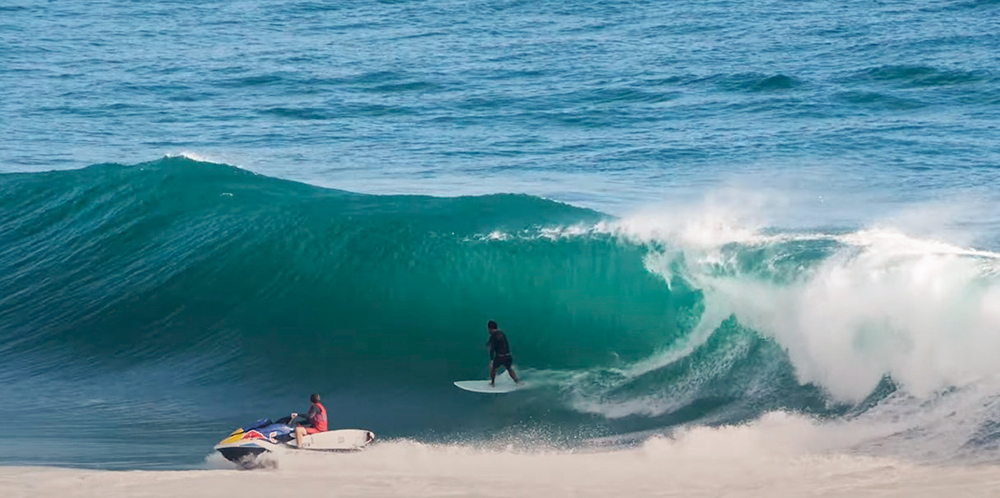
(682, 213)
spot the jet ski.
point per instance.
(245, 445)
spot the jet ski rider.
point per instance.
(315, 420)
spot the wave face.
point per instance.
(179, 298)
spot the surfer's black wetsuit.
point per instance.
(499, 350)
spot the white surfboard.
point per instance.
(503, 385)
(339, 440)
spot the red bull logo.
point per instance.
(253, 435)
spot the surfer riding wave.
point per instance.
(499, 353)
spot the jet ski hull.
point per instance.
(245, 446)
(244, 456)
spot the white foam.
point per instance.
(779, 456)
(923, 311)
(213, 158)
(194, 156)
(920, 309)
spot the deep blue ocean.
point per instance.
(682, 213)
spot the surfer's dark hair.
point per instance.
(491, 324)
(314, 398)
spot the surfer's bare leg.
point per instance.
(513, 375)
(300, 432)
(493, 374)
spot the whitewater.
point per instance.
(739, 248)
(732, 462)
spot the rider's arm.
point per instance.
(313, 411)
